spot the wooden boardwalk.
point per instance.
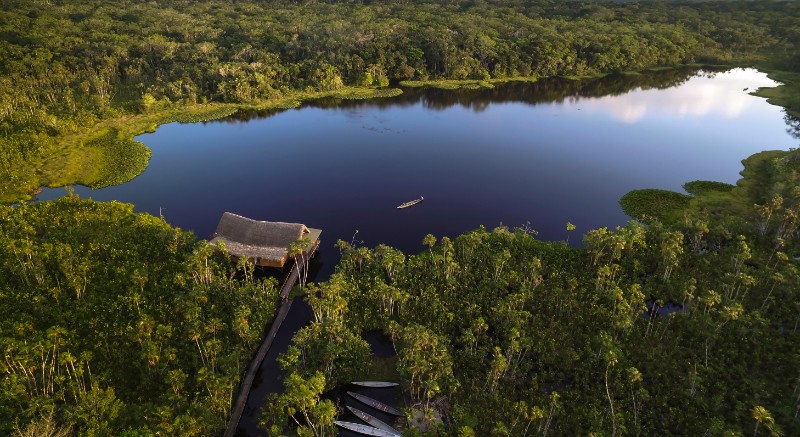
(247, 382)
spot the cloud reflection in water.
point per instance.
(702, 95)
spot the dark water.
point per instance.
(267, 379)
(545, 153)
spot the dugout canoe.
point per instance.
(364, 429)
(375, 384)
(372, 420)
(411, 203)
(376, 404)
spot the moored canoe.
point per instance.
(364, 429)
(374, 421)
(375, 384)
(376, 404)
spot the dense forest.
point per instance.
(67, 66)
(682, 322)
(115, 323)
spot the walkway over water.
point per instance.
(283, 310)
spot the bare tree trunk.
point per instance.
(611, 404)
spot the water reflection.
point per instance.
(793, 124)
(628, 97)
(549, 152)
(546, 90)
(709, 94)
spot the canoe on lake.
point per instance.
(411, 203)
(364, 429)
(371, 420)
(375, 384)
(376, 404)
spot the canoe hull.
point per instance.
(376, 404)
(364, 429)
(375, 384)
(411, 203)
(373, 421)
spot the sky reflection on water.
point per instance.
(544, 153)
(721, 94)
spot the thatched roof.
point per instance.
(256, 239)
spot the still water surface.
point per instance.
(543, 153)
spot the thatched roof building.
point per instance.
(266, 243)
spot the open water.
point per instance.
(544, 153)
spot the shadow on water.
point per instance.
(660, 309)
(267, 378)
(379, 344)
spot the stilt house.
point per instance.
(265, 243)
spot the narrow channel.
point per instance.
(268, 378)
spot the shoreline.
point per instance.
(106, 153)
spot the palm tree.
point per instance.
(760, 414)
(429, 241)
(570, 227)
(298, 253)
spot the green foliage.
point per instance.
(115, 323)
(424, 361)
(701, 187)
(448, 84)
(323, 355)
(652, 203)
(206, 114)
(121, 159)
(301, 401)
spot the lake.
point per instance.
(543, 153)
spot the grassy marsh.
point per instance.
(652, 203)
(107, 154)
(787, 94)
(715, 199)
